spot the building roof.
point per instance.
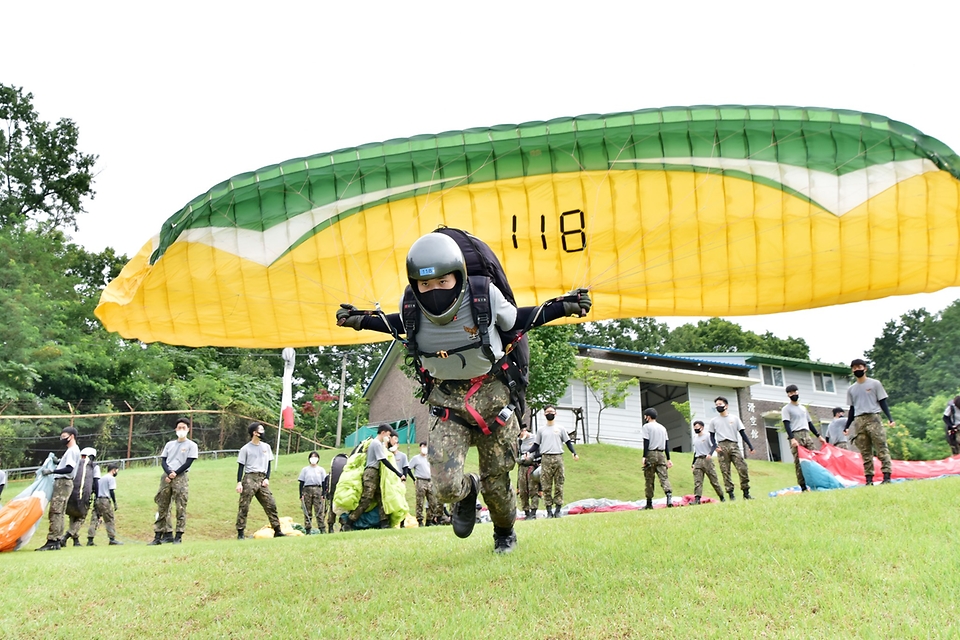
(780, 361)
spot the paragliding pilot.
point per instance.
(453, 337)
(62, 487)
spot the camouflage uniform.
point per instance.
(551, 479)
(425, 492)
(370, 495)
(312, 505)
(179, 490)
(806, 440)
(871, 435)
(102, 509)
(656, 465)
(62, 488)
(253, 486)
(76, 523)
(450, 440)
(703, 465)
(729, 451)
(528, 488)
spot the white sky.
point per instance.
(178, 96)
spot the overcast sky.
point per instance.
(176, 97)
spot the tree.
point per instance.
(630, 334)
(722, 336)
(552, 363)
(608, 388)
(43, 177)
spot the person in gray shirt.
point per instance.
(3, 480)
(312, 480)
(105, 506)
(419, 470)
(835, 430)
(528, 482)
(548, 444)
(656, 456)
(867, 398)
(951, 421)
(797, 422)
(62, 487)
(703, 463)
(175, 459)
(376, 456)
(253, 480)
(723, 435)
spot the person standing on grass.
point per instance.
(253, 480)
(867, 398)
(951, 421)
(528, 485)
(376, 456)
(797, 422)
(85, 481)
(3, 480)
(723, 435)
(102, 507)
(419, 468)
(175, 459)
(62, 487)
(835, 430)
(656, 456)
(548, 443)
(311, 481)
(703, 463)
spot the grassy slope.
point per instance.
(864, 562)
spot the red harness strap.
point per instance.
(477, 383)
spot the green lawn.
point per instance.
(867, 562)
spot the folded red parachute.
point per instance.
(847, 466)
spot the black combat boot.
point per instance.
(419, 522)
(747, 496)
(504, 540)
(669, 500)
(696, 499)
(240, 534)
(556, 511)
(52, 545)
(177, 539)
(115, 542)
(886, 478)
(168, 538)
(649, 504)
(722, 499)
(732, 496)
(803, 488)
(465, 511)
(157, 539)
(869, 481)
(533, 514)
(90, 542)
(278, 534)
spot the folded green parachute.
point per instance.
(350, 487)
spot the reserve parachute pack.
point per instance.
(483, 268)
(79, 500)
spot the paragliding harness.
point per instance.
(79, 501)
(330, 486)
(483, 268)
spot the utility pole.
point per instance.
(343, 380)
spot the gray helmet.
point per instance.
(432, 256)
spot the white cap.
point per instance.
(88, 451)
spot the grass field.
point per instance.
(868, 562)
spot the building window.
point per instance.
(823, 382)
(772, 376)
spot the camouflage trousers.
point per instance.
(806, 440)
(655, 466)
(552, 479)
(871, 436)
(102, 510)
(252, 484)
(729, 451)
(954, 443)
(528, 488)
(425, 493)
(76, 523)
(843, 445)
(177, 490)
(370, 495)
(449, 442)
(312, 502)
(62, 488)
(703, 466)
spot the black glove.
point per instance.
(577, 303)
(348, 316)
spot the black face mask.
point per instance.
(794, 397)
(436, 301)
(860, 373)
(721, 408)
(550, 416)
(697, 430)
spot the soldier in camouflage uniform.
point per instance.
(460, 365)
(62, 487)
(656, 456)
(419, 467)
(370, 495)
(175, 459)
(528, 486)
(703, 463)
(548, 444)
(867, 398)
(312, 479)
(797, 422)
(723, 435)
(253, 480)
